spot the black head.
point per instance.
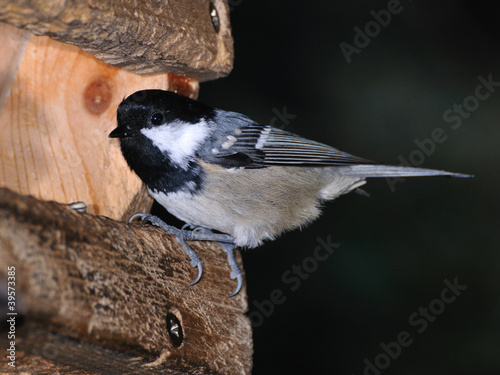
(150, 108)
(147, 114)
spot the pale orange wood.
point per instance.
(54, 127)
(14, 42)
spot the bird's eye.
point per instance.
(157, 119)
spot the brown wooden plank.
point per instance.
(115, 284)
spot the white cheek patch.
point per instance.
(179, 140)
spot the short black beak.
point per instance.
(119, 132)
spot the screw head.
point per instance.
(214, 15)
(174, 329)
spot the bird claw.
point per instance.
(144, 218)
(239, 278)
(197, 234)
(200, 272)
(194, 228)
(195, 259)
(235, 270)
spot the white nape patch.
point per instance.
(179, 140)
(263, 137)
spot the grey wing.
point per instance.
(259, 146)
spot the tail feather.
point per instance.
(375, 170)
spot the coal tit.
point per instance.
(222, 171)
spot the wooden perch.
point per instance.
(184, 37)
(124, 287)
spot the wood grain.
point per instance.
(40, 351)
(175, 36)
(55, 125)
(14, 42)
(115, 285)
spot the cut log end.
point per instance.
(125, 287)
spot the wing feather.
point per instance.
(282, 147)
(266, 146)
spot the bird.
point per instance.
(233, 180)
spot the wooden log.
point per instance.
(55, 123)
(183, 37)
(125, 287)
(40, 351)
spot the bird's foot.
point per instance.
(198, 234)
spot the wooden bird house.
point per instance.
(99, 295)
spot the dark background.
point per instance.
(396, 247)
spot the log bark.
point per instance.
(183, 37)
(124, 287)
